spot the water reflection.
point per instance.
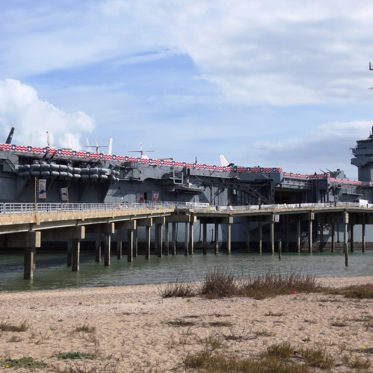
(52, 273)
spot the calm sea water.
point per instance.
(52, 273)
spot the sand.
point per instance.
(133, 329)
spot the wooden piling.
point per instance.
(159, 239)
(174, 243)
(135, 243)
(166, 239)
(148, 241)
(186, 239)
(363, 238)
(229, 238)
(333, 238)
(260, 227)
(107, 250)
(98, 253)
(204, 238)
(191, 238)
(75, 255)
(298, 235)
(351, 237)
(69, 253)
(130, 245)
(345, 237)
(216, 241)
(119, 248)
(272, 229)
(29, 263)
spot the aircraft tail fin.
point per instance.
(110, 147)
(223, 160)
(10, 136)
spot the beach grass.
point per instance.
(26, 362)
(222, 284)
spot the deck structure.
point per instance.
(27, 225)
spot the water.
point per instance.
(52, 273)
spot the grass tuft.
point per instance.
(271, 285)
(75, 355)
(318, 358)
(279, 351)
(356, 291)
(219, 284)
(26, 362)
(178, 289)
(180, 323)
(85, 329)
(6, 327)
(207, 361)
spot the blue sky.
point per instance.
(271, 83)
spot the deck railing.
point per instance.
(24, 208)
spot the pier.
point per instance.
(279, 227)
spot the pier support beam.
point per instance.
(345, 237)
(204, 238)
(229, 238)
(321, 247)
(72, 233)
(119, 248)
(107, 250)
(186, 239)
(298, 234)
(29, 263)
(75, 255)
(248, 237)
(98, 248)
(272, 233)
(310, 232)
(69, 253)
(333, 238)
(135, 243)
(108, 230)
(260, 227)
(166, 239)
(216, 241)
(30, 241)
(174, 243)
(130, 245)
(351, 237)
(148, 241)
(229, 222)
(159, 223)
(147, 223)
(363, 237)
(191, 237)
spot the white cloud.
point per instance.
(20, 106)
(277, 53)
(326, 147)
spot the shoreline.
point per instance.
(133, 329)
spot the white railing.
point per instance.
(288, 206)
(24, 208)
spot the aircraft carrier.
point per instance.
(47, 174)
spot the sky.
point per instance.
(275, 83)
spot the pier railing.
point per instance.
(25, 208)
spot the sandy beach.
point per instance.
(133, 329)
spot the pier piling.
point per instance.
(75, 255)
(174, 243)
(216, 241)
(204, 238)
